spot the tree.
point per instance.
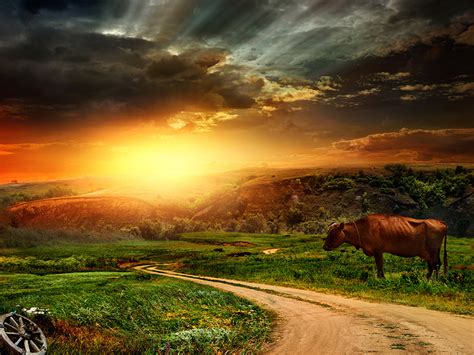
(294, 217)
(253, 223)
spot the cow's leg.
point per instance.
(434, 263)
(437, 264)
(430, 270)
(379, 263)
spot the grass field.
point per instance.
(299, 262)
(131, 312)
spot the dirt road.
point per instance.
(316, 323)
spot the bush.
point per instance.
(313, 227)
(339, 183)
(424, 193)
(295, 216)
(58, 191)
(273, 227)
(18, 197)
(253, 223)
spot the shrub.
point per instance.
(295, 216)
(273, 227)
(253, 223)
(339, 183)
(313, 227)
(424, 193)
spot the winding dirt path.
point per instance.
(315, 323)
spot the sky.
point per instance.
(171, 88)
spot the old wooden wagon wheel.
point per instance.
(22, 335)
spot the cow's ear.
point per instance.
(341, 226)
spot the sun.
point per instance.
(172, 162)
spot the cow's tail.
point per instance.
(445, 256)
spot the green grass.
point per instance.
(300, 262)
(28, 237)
(124, 312)
(21, 192)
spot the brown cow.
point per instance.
(407, 237)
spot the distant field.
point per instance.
(21, 192)
(125, 312)
(87, 213)
(299, 262)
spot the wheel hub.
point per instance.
(24, 333)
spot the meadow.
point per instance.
(135, 313)
(298, 262)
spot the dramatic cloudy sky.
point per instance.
(90, 87)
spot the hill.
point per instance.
(94, 213)
(265, 200)
(309, 202)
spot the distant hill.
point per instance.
(306, 202)
(81, 212)
(265, 199)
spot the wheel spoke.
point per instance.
(11, 326)
(32, 342)
(38, 341)
(14, 321)
(35, 347)
(12, 333)
(27, 346)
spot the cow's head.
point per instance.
(335, 236)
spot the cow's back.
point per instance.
(400, 235)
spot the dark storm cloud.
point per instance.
(423, 74)
(63, 59)
(76, 8)
(435, 11)
(34, 6)
(56, 74)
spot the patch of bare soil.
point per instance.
(314, 323)
(270, 251)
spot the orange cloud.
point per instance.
(415, 145)
(277, 92)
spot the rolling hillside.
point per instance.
(302, 200)
(81, 212)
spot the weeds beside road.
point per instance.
(131, 312)
(299, 262)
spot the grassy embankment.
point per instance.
(300, 262)
(125, 312)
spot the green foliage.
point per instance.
(294, 217)
(90, 311)
(58, 191)
(253, 223)
(300, 262)
(338, 183)
(159, 230)
(313, 226)
(8, 199)
(398, 170)
(424, 193)
(432, 188)
(27, 237)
